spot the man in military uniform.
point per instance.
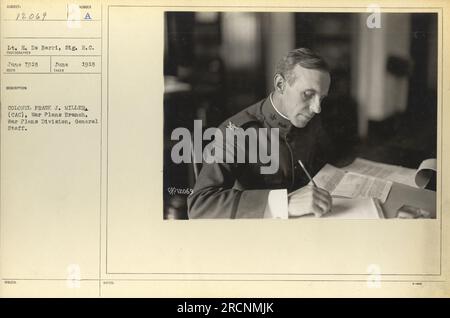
(240, 190)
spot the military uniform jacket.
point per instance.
(239, 190)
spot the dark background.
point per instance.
(382, 100)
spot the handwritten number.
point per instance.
(32, 16)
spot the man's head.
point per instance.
(301, 81)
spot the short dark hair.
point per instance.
(302, 56)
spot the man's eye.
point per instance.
(308, 95)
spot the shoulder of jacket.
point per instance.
(249, 117)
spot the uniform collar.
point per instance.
(274, 118)
(273, 105)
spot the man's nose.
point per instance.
(315, 106)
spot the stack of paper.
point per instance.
(415, 178)
(340, 183)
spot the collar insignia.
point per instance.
(231, 126)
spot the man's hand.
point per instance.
(309, 199)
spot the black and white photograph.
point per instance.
(297, 115)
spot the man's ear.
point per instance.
(279, 83)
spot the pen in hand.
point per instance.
(321, 202)
(307, 173)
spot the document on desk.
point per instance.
(415, 178)
(352, 185)
(352, 209)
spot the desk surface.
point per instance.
(402, 194)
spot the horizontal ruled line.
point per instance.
(50, 37)
(56, 73)
(222, 280)
(52, 20)
(47, 55)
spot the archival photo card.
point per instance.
(222, 149)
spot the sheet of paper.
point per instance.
(358, 209)
(329, 177)
(424, 172)
(351, 209)
(351, 185)
(354, 185)
(383, 171)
